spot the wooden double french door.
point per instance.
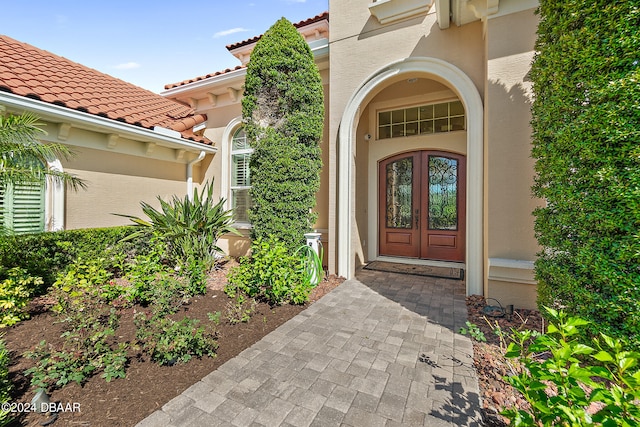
(422, 205)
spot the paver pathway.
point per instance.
(379, 350)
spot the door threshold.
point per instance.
(416, 261)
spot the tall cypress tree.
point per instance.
(586, 142)
(283, 111)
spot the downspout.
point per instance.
(190, 173)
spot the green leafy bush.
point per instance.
(564, 379)
(190, 227)
(46, 254)
(15, 293)
(81, 283)
(5, 383)
(273, 273)
(586, 129)
(143, 272)
(283, 110)
(169, 342)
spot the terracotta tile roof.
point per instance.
(35, 73)
(196, 79)
(317, 18)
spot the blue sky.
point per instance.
(148, 43)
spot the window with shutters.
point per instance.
(22, 207)
(240, 179)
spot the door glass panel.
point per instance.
(399, 196)
(443, 193)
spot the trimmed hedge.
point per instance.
(283, 110)
(586, 142)
(46, 254)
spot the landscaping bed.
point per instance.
(489, 360)
(147, 385)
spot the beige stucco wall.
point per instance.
(509, 167)
(119, 173)
(117, 183)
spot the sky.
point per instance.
(148, 43)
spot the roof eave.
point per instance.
(232, 76)
(56, 113)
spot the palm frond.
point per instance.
(23, 158)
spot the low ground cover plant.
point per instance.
(168, 341)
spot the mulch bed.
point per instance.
(147, 386)
(490, 364)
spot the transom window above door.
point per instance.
(424, 119)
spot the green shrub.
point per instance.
(143, 272)
(15, 293)
(586, 133)
(168, 342)
(46, 254)
(283, 109)
(273, 273)
(80, 284)
(5, 383)
(190, 227)
(563, 377)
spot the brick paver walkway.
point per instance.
(379, 350)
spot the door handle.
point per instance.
(417, 218)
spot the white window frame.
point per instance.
(227, 165)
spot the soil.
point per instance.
(147, 386)
(491, 366)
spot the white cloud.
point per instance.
(127, 66)
(229, 32)
(296, 1)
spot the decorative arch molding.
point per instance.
(461, 84)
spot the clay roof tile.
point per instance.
(28, 71)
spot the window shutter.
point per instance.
(22, 208)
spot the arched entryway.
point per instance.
(421, 206)
(464, 89)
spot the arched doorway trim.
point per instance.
(464, 88)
